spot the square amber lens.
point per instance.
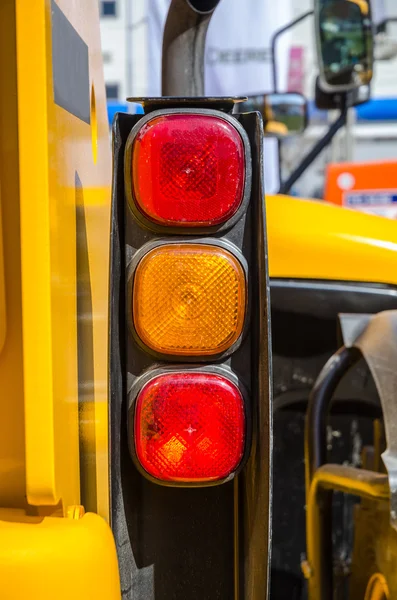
(189, 299)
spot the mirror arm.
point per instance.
(315, 151)
(275, 37)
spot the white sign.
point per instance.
(378, 10)
(378, 202)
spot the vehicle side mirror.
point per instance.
(283, 114)
(344, 43)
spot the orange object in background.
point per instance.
(369, 187)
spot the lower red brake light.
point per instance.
(189, 427)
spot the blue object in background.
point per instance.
(376, 109)
(124, 107)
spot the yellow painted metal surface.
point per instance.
(55, 172)
(349, 480)
(62, 559)
(64, 191)
(12, 442)
(374, 559)
(377, 588)
(3, 325)
(315, 240)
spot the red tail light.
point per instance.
(189, 427)
(188, 170)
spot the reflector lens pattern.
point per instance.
(189, 427)
(188, 170)
(189, 299)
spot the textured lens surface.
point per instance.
(188, 170)
(189, 299)
(189, 427)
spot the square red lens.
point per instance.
(188, 170)
(189, 427)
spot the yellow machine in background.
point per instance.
(313, 240)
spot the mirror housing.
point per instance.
(336, 100)
(344, 37)
(284, 114)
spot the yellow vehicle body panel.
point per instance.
(12, 431)
(316, 240)
(55, 177)
(64, 191)
(2, 288)
(57, 559)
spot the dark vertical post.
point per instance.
(184, 47)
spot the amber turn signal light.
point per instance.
(189, 299)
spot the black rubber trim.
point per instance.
(325, 299)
